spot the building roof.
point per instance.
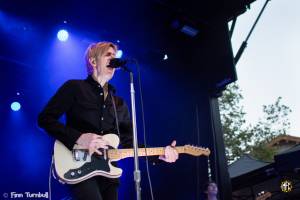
(290, 150)
(244, 165)
(281, 139)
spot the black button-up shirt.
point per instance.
(87, 111)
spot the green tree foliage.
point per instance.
(241, 137)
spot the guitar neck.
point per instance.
(126, 153)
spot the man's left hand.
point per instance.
(171, 155)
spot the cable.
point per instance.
(214, 143)
(144, 126)
(197, 161)
(49, 178)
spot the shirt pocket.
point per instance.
(87, 114)
(88, 105)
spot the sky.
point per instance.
(269, 66)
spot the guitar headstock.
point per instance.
(196, 151)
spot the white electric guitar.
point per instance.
(75, 166)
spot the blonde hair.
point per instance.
(94, 50)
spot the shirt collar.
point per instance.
(91, 81)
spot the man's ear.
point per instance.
(92, 61)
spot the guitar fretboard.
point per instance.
(126, 153)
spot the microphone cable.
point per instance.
(144, 126)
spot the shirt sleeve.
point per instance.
(59, 104)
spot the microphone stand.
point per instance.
(137, 172)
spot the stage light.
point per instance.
(188, 30)
(15, 106)
(63, 35)
(165, 57)
(185, 27)
(119, 54)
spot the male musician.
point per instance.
(211, 191)
(92, 110)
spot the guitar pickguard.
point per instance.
(98, 163)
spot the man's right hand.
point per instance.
(92, 142)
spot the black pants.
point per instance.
(96, 188)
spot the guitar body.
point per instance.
(74, 167)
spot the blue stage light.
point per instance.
(188, 30)
(15, 106)
(119, 54)
(63, 35)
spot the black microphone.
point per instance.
(117, 62)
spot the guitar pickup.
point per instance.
(80, 155)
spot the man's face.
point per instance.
(212, 189)
(102, 63)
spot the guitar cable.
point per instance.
(49, 179)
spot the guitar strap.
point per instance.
(116, 114)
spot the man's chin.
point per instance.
(109, 76)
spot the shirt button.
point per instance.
(102, 118)
(101, 131)
(104, 106)
(101, 93)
